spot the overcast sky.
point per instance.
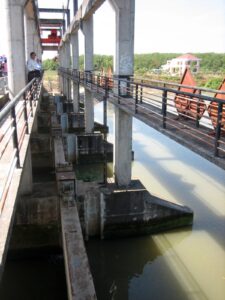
(160, 26)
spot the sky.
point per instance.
(180, 26)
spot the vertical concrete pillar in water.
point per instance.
(75, 66)
(88, 67)
(68, 66)
(122, 147)
(14, 22)
(123, 68)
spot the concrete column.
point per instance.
(88, 67)
(29, 27)
(122, 147)
(64, 66)
(14, 22)
(124, 56)
(60, 65)
(75, 66)
(123, 68)
(68, 66)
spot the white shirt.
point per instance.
(33, 65)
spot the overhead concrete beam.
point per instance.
(86, 10)
(89, 7)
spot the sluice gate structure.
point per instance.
(44, 138)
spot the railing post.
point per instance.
(30, 100)
(164, 107)
(198, 111)
(141, 93)
(218, 128)
(25, 115)
(136, 98)
(15, 136)
(105, 124)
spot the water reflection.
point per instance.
(133, 268)
(194, 265)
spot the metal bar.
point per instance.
(136, 98)
(218, 128)
(141, 94)
(164, 107)
(5, 111)
(15, 136)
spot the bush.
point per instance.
(50, 64)
(213, 83)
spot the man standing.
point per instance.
(34, 68)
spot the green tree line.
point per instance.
(212, 66)
(210, 62)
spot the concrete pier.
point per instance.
(88, 66)
(75, 65)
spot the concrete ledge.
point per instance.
(79, 279)
(134, 211)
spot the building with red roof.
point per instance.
(177, 66)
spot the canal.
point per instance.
(182, 264)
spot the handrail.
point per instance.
(170, 106)
(13, 102)
(14, 125)
(68, 72)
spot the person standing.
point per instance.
(34, 68)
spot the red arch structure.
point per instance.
(213, 108)
(187, 105)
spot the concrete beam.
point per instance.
(89, 7)
(86, 10)
(78, 276)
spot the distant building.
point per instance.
(177, 66)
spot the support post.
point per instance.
(123, 69)
(68, 66)
(122, 147)
(75, 65)
(14, 22)
(88, 67)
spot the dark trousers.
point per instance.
(34, 74)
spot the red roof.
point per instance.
(188, 56)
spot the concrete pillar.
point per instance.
(60, 65)
(68, 66)
(14, 22)
(88, 67)
(75, 66)
(64, 66)
(122, 147)
(124, 56)
(29, 27)
(123, 68)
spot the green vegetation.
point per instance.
(50, 64)
(212, 66)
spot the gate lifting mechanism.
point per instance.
(52, 38)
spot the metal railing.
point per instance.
(197, 112)
(14, 125)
